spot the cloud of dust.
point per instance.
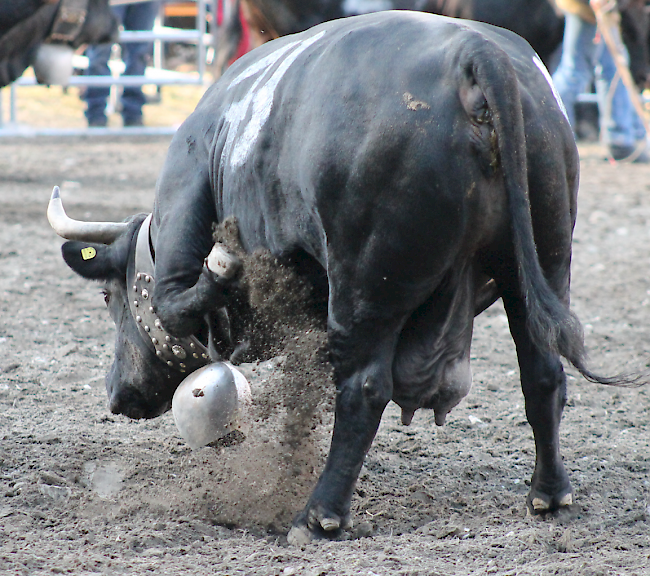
(266, 479)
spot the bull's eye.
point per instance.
(107, 296)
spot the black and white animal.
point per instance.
(424, 167)
(537, 21)
(26, 25)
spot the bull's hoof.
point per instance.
(299, 536)
(541, 503)
(316, 526)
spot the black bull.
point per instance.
(426, 166)
(537, 21)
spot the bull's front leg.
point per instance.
(362, 396)
(544, 386)
(191, 277)
(182, 307)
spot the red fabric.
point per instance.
(245, 40)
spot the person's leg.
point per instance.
(575, 70)
(618, 118)
(616, 112)
(96, 96)
(138, 17)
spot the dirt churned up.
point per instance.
(279, 460)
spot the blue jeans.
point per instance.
(621, 125)
(575, 73)
(138, 16)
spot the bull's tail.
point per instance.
(551, 324)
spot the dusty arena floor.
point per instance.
(83, 491)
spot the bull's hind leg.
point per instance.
(544, 386)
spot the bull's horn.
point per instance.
(66, 227)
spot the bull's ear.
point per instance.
(91, 261)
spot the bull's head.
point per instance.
(100, 25)
(149, 362)
(79, 22)
(45, 33)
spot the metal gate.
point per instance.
(154, 75)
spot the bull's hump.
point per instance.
(251, 93)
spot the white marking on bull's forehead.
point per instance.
(256, 105)
(354, 7)
(544, 71)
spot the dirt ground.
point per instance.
(83, 491)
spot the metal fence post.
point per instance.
(155, 75)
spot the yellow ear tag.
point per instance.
(88, 253)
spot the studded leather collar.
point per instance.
(69, 20)
(182, 354)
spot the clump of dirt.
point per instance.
(266, 478)
(268, 303)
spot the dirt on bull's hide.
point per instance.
(284, 446)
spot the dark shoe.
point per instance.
(619, 153)
(97, 122)
(133, 121)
